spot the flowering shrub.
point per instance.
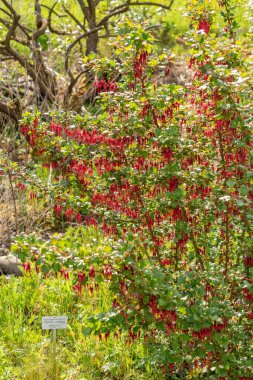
(165, 172)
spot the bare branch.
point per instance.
(9, 26)
(114, 12)
(151, 3)
(92, 9)
(53, 30)
(53, 11)
(13, 14)
(5, 23)
(12, 30)
(85, 9)
(74, 18)
(38, 12)
(73, 83)
(5, 11)
(40, 31)
(42, 23)
(70, 47)
(11, 9)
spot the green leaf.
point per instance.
(244, 190)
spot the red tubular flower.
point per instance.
(166, 262)
(173, 184)
(69, 213)
(204, 25)
(35, 123)
(27, 266)
(77, 288)
(24, 129)
(92, 272)
(58, 210)
(176, 214)
(33, 196)
(78, 218)
(37, 268)
(248, 261)
(56, 128)
(219, 326)
(247, 294)
(250, 315)
(107, 336)
(91, 289)
(167, 153)
(64, 273)
(80, 277)
(20, 186)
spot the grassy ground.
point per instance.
(25, 349)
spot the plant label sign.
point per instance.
(54, 323)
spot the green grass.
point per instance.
(25, 349)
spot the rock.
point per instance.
(9, 265)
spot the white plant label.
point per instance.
(54, 323)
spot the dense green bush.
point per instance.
(166, 173)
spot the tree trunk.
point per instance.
(92, 43)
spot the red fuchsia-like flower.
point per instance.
(203, 333)
(100, 85)
(64, 273)
(58, 210)
(27, 266)
(250, 315)
(166, 262)
(173, 184)
(247, 294)
(80, 277)
(220, 326)
(21, 186)
(35, 123)
(176, 214)
(103, 86)
(77, 288)
(107, 336)
(56, 128)
(248, 261)
(37, 268)
(78, 217)
(92, 272)
(139, 63)
(167, 154)
(113, 86)
(69, 213)
(204, 25)
(24, 129)
(33, 196)
(91, 290)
